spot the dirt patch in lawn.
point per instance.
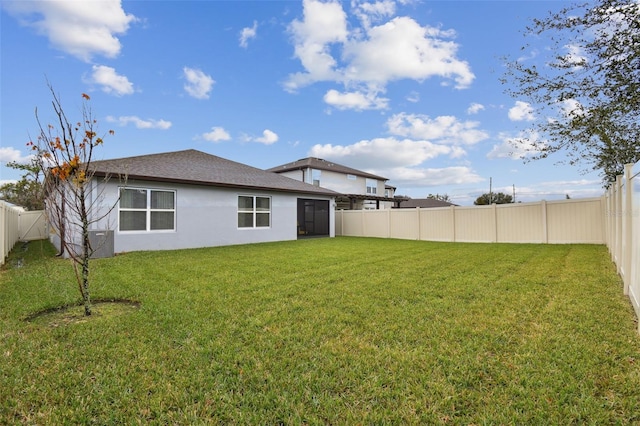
(74, 314)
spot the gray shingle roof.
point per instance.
(320, 164)
(424, 203)
(199, 168)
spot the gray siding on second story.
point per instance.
(336, 177)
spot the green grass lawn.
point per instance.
(324, 331)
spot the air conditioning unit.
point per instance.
(101, 243)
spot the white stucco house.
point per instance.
(189, 199)
(358, 190)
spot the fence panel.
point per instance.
(575, 221)
(404, 224)
(33, 226)
(437, 224)
(475, 224)
(521, 223)
(351, 223)
(375, 223)
(9, 219)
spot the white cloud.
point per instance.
(355, 100)
(110, 81)
(247, 34)
(371, 56)
(429, 177)
(381, 153)
(81, 28)
(268, 137)
(9, 154)
(475, 108)
(402, 49)
(198, 83)
(443, 129)
(522, 111)
(402, 159)
(413, 97)
(322, 25)
(140, 123)
(525, 144)
(373, 12)
(216, 134)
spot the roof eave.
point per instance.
(324, 192)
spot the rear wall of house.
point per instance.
(206, 217)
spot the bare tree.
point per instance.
(72, 195)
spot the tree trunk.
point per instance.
(86, 255)
(85, 286)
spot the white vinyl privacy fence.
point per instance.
(19, 225)
(623, 230)
(553, 222)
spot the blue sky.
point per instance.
(408, 90)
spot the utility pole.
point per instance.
(514, 193)
(490, 189)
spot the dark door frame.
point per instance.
(313, 218)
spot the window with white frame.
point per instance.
(372, 186)
(254, 211)
(142, 209)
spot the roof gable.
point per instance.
(320, 164)
(199, 168)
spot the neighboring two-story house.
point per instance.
(358, 190)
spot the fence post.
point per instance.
(545, 228)
(603, 206)
(628, 227)
(494, 209)
(5, 235)
(618, 219)
(611, 225)
(453, 224)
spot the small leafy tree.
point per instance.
(65, 151)
(27, 192)
(493, 198)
